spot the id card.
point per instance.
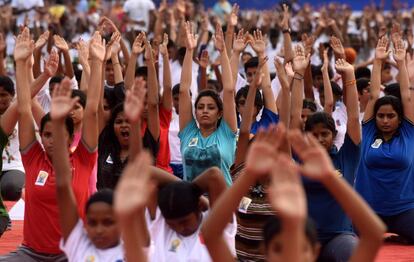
(377, 143)
(41, 178)
(244, 204)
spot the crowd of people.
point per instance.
(175, 133)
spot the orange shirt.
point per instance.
(41, 230)
(163, 157)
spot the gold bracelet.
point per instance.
(350, 82)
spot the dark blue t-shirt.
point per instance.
(385, 175)
(328, 215)
(267, 118)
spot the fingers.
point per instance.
(299, 144)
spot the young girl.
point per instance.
(42, 242)
(287, 197)
(385, 174)
(213, 142)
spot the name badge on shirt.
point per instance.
(244, 204)
(41, 178)
(193, 142)
(377, 143)
(174, 245)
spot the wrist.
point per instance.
(329, 177)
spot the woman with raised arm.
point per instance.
(41, 243)
(213, 143)
(385, 175)
(332, 223)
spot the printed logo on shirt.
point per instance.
(244, 204)
(109, 160)
(174, 245)
(193, 142)
(41, 178)
(338, 123)
(338, 173)
(90, 258)
(377, 143)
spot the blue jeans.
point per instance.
(401, 224)
(339, 248)
(178, 170)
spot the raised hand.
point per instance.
(164, 45)
(317, 164)
(97, 47)
(337, 47)
(308, 42)
(138, 46)
(300, 61)
(233, 15)
(134, 101)
(24, 46)
(62, 103)
(219, 38)
(399, 51)
(258, 44)
(60, 43)
(342, 66)
(286, 194)
(115, 44)
(191, 39)
(264, 150)
(83, 51)
(258, 76)
(42, 40)
(134, 188)
(51, 65)
(149, 52)
(289, 69)
(204, 60)
(240, 41)
(381, 51)
(396, 33)
(284, 24)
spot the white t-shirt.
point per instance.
(139, 10)
(12, 159)
(44, 98)
(168, 246)
(174, 140)
(26, 4)
(78, 247)
(341, 118)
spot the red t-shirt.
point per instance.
(41, 230)
(163, 157)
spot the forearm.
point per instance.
(60, 156)
(135, 140)
(292, 233)
(37, 53)
(376, 79)
(234, 63)
(167, 92)
(203, 79)
(124, 50)
(130, 71)
(287, 47)
(37, 111)
(268, 96)
(351, 100)
(228, 40)
(38, 84)
(161, 177)
(297, 103)
(68, 65)
(135, 236)
(86, 73)
(152, 98)
(404, 82)
(2, 67)
(327, 91)
(186, 72)
(308, 84)
(117, 69)
(212, 182)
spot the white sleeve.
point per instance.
(151, 5)
(229, 235)
(74, 83)
(76, 242)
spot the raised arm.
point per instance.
(231, 24)
(247, 118)
(258, 44)
(115, 48)
(229, 107)
(22, 51)
(259, 162)
(317, 165)
(90, 130)
(353, 127)
(327, 87)
(186, 114)
(62, 105)
(381, 53)
(337, 47)
(167, 84)
(203, 64)
(61, 44)
(83, 56)
(152, 98)
(239, 44)
(400, 57)
(137, 49)
(40, 43)
(130, 199)
(300, 63)
(287, 41)
(2, 54)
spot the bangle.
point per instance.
(297, 76)
(350, 83)
(284, 31)
(116, 63)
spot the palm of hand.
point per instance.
(299, 63)
(22, 50)
(40, 42)
(259, 160)
(131, 196)
(137, 48)
(163, 49)
(381, 53)
(97, 50)
(219, 43)
(133, 108)
(233, 19)
(61, 44)
(288, 199)
(259, 46)
(344, 68)
(399, 55)
(191, 42)
(115, 48)
(61, 107)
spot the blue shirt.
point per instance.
(267, 118)
(385, 176)
(328, 215)
(200, 153)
